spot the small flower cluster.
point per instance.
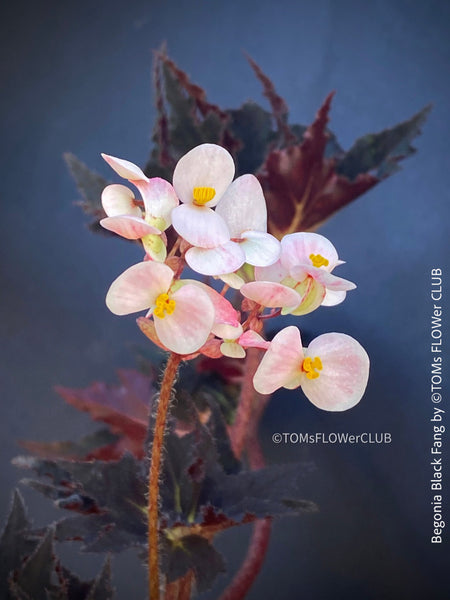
(221, 226)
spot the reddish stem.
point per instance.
(240, 429)
(154, 476)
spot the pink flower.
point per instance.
(183, 314)
(333, 371)
(200, 179)
(301, 280)
(235, 341)
(126, 218)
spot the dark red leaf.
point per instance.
(124, 408)
(279, 107)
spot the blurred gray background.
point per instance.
(76, 77)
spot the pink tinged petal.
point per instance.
(200, 226)
(345, 371)
(270, 294)
(281, 364)
(296, 249)
(251, 339)
(188, 327)
(211, 348)
(333, 298)
(118, 200)
(328, 280)
(159, 199)
(138, 287)
(124, 168)
(216, 261)
(225, 313)
(275, 272)
(243, 206)
(312, 294)
(261, 249)
(131, 228)
(227, 332)
(206, 165)
(232, 350)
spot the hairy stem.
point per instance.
(154, 476)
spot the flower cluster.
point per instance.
(221, 227)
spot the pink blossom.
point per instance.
(304, 268)
(183, 314)
(333, 371)
(127, 219)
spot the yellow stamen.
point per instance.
(164, 305)
(318, 260)
(202, 195)
(311, 365)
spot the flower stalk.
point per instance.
(154, 475)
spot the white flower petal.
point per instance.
(200, 226)
(125, 168)
(271, 294)
(227, 332)
(138, 287)
(207, 165)
(131, 228)
(296, 249)
(281, 364)
(118, 200)
(261, 249)
(345, 371)
(216, 261)
(243, 206)
(188, 327)
(333, 298)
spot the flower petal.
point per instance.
(188, 327)
(296, 249)
(138, 287)
(270, 294)
(159, 200)
(232, 350)
(225, 313)
(275, 272)
(200, 226)
(312, 294)
(251, 339)
(124, 168)
(207, 165)
(227, 332)
(216, 261)
(117, 200)
(345, 371)
(233, 280)
(243, 206)
(328, 280)
(261, 249)
(281, 364)
(131, 228)
(333, 298)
